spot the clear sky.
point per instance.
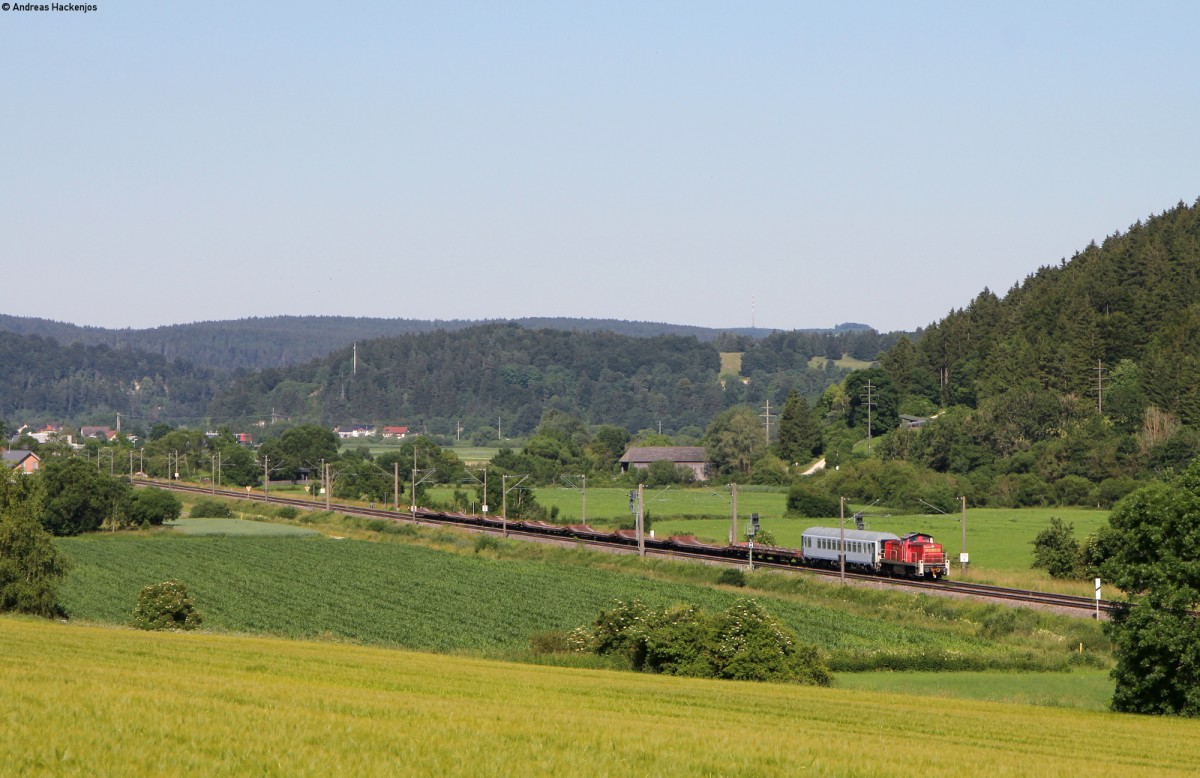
(165, 162)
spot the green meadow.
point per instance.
(86, 700)
(394, 584)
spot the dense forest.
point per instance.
(279, 341)
(1086, 371)
(44, 380)
(493, 371)
(479, 375)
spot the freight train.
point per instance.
(914, 555)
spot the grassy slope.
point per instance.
(1087, 689)
(98, 701)
(411, 596)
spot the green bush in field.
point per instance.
(165, 605)
(154, 506)
(211, 509)
(744, 642)
(805, 503)
(1056, 550)
(732, 576)
(288, 512)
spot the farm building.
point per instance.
(694, 457)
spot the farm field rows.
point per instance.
(416, 597)
(104, 701)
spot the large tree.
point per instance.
(1152, 553)
(30, 564)
(734, 440)
(79, 497)
(799, 433)
(300, 448)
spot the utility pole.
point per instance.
(504, 490)
(733, 536)
(1099, 386)
(485, 505)
(842, 547)
(266, 475)
(641, 521)
(768, 417)
(412, 497)
(396, 485)
(963, 559)
(326, 486)
(498, 435)
(583, 501)
(213, 478)
(870, 405)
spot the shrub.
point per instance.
(742, 643)
(732, 576)
(1056, 550)
(485, 542)
(205, 508)
(553, 641)
(154, 506)
(288, 512)
(1073, 490)
(165, 605)
(804, 503)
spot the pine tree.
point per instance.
(799, 434)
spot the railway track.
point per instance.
(1070, 603)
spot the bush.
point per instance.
(288, 512)
(554, 641)
(205, 508)
(154, 506)
(1073, 490)
(1056, 550)
(165, 605)
(804, 503)
(742, 643)
(732, 576)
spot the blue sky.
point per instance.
(168, 162)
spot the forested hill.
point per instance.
(278, 341)
(42, 379)
(490, 373)
(1135, 297)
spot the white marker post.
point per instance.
(1097, 599)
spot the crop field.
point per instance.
(83, 700)
(415, 597)
(1084, 689)
(235, 527)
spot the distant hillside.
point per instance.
(488, 371)
(43, 379)
(1087, 368)
(279, 341)
(1135, 297)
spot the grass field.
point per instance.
(100, 701)
(447, 590)
(1084, 689)
(416, 597)
(998, 539)
(235, 527)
